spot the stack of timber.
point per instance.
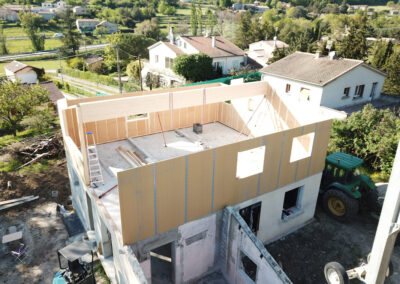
(18, 201)
(133, 158)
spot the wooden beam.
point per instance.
(100, 110)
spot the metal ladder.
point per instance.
(95, 174)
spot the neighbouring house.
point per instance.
(93, 59)
(324, 80)
(394, 12)
(110, 27)
(80, 11)
(262, 51)
(54, 93)
(224, 53)
(89, 25)
(47, 5)
(255, 7)
(25, 74)
(62, 5)
(185, 185)
(47, 15)
(353, 8)
(7, 14)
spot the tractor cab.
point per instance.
(76, 264)
(344, 188)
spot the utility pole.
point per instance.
(59, 59)
(140, 74)
(119, 69)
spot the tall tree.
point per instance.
(18, 101)
(31, 24)
(193, 19)
(392, 82)
(71, 37)
(211, 21)
(149, 28)
(355, 43)
(3, 46)
(243, 36)
(200, 18)
(381, 55)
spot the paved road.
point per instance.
(47, 52)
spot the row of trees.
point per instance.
(199, 22)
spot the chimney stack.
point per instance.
(171, 35)
(332, 55)
(213, 42)
(317, 54)
(275, 41)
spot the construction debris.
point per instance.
(18, 201)
(45, 147)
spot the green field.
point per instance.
(25, 45)
(15, 30)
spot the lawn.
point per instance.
(25, 45)
(46, 64)
(15, 30)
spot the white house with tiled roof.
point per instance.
(324, 80)
(17, 71)
(224, 53)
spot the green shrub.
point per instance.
(76, 63)
(370, 134)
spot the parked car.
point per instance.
(58, 35)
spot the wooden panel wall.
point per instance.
(194, 186)
(228, 115)
(71, 125)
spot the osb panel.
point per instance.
(303, 163)
(269, 178)
(90, 127)
(101, 131)
(288, 170)
(72, 125)
(112, 130)
(320, 146)
(170, 192)
(121, 128)
(225, 182)
(136, 198)
(199, 191)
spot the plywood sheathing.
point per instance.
(136, 197)
(211, 182)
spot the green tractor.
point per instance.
(344, 190)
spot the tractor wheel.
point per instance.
(339, 205)
(371, 198)
(335, 273)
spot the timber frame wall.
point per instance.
(158, 197)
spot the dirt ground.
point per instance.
(304, 253)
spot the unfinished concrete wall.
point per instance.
(242, 244)
(272, 225)
(146, 193)
(196, 248)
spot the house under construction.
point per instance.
(185, 185)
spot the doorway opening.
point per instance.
(162, 264)
(251, 215)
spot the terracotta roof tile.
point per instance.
(224, 47)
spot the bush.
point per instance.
(194, 67)
(98, 68)
(42, 119)
(370, 134)
(76, 63)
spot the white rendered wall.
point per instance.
(271, 223)
(333, 92)
(279, 84)
(162, 51)
(28, 76)
(228, 62)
